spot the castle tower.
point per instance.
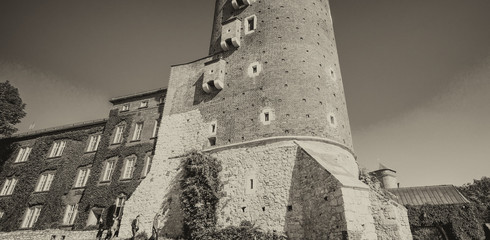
(268, 102)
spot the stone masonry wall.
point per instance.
(47, 235)
(391, 219)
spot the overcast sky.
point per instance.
(416, 73)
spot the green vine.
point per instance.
(201, 191)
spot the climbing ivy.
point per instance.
(201, 190)
(459, 221)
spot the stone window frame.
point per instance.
(147, 165)
(247, 28)
(144, 104)
(138, 130)
(31, 215)
(8, 186)
(93, 143)
(44, 182)
(127, 169)
(155, 128)
(71, 212)
(81, 180)
(23, 154)
(118, 133)
(57, 149)
(107, 175)
(125, 107)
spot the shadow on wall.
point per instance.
(312, 210)
(172, 217)
(199, 94)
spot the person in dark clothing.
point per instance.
(135, 226)
(100, 228)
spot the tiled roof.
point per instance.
(432, 195)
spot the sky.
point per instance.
(416, 73)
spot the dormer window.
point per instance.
(144, 104)
(250, 24)
(238, 4)
(125, 107)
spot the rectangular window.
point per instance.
(120, 201)
(82, 177)
(250, 24)
(1, 214)
(57, 149)
(144, 104)
(266, 117)
(31, 216)
(23, 154)
(44, 182)
(146, 167)
(129, 168)
(125, 107)
(137, 131)
(155, 129)
(118, 134)
(70, 214)
(93, 143)
(108, 170)
(8, 187)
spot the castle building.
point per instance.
(268, 103)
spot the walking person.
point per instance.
(100, 228)
(156, 227)
(135, 226)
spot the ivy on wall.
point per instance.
(104, 195)
(201, 191)
(28, 173)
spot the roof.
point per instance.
(140, 94)
(432, 195)
(57, 129)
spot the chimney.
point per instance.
(387, 177)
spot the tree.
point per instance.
(11, 108)
(479, 193)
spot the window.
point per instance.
(108, 170)
(251, 184)
(1, 214)
(70, 214)
(118, 135)
(144, 104)
(31, 216)
(23, 154)
(146, 167)
(237, 4)
(44, 182)
(82, 177)
(129, 168)
(155, 129)
(57, 149)
(212, 141)
(8, 187)
(250, 24)
(93, 143)
(125, 107)
(266, 117)
(137, 131)
(120, 201)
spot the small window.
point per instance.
(155, 129)
(44, 182)
(1, 214)
(31, 216)
(108, 170)
(137, 131)
(129, 168)
(146, 167)
(250, 24)
(212, 128)
(57, 149)
(266, 117)
(71, 212)
(125, 107)
(290, 208)
(212, 141)
(251, 184)
(118, 134)
(8, 187)
(93, 143)
(23, 154)
(120, 201)
(82, 177)
(254, 69)
(144, 104)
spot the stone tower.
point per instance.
(268, 102)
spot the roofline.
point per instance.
(116, 99)
(443, 185)
(56, 129)
(197, 60)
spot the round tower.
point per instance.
(283, 55)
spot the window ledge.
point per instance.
(40, 192)
(54, 157)
(78, 188)
(18, 163)
(88, 152)
(136, 140)
(125, 179)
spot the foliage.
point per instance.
(479, 193)
(201, 187)
(459, 221)
(12, 108)
(201, 191)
